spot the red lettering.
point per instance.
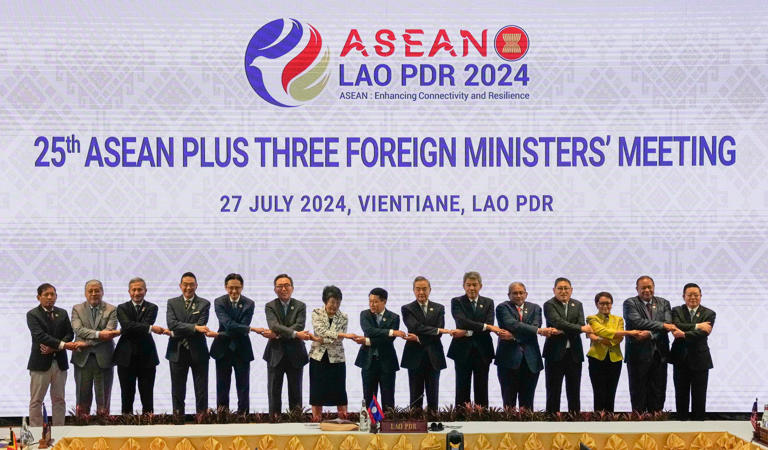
(385, 38)
(467, 38)
(353, 43)
(442, 42)
(409, 42)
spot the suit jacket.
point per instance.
(136, 347)
(328, 330)
(284, 325)
(693, 351)
(181, 322)
(233, 342)
(525, 343)
(86, 330)
(460, 349)
(425, 327)
(569, 323)
(636, 318)
(50, 333)
(381, 342)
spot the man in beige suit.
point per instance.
(94, 323)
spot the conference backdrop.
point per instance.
(364, 143)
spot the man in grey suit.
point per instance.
(285, 354)
(95, 324)
(186, 317)
(646, 355)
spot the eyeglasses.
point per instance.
(283, 286)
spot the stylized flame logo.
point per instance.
(286, 64)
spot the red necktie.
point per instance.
(520, 311)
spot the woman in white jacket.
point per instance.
(327, 367)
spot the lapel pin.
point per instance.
(481, 306)
(291, 308)
(240, 306)
(572, 304)
(56, 315)
(431, 309)
(383, 319)
(525, 311)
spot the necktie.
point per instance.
(650, 311)
(50, 315)
(93, 315)
(474, 305)
(520, 311)
(285, 309)
(378, 319)
(692, 312)
(136, 307)
(424, 308)
(187, 302)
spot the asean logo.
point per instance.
(286, 64)
(511, 43)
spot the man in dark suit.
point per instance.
(564, 353)
(187, 319)
(285, 353)
(690, 355)
(518, 358)
(135, 353)
(95, 324)
(646, 355)
(471, 348)
(231, 346)
(423, 353)
(52, 334)
(377, 356)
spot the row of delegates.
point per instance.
(517, 356)
(649, 319)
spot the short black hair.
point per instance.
(644, 277)
(234, 276)
(44, 287)
(380, 292)
(188, 274)
(331, 292)
(691, 285)
(559, 279)
(603, 294)
(282, 275)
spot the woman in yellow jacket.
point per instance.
(604, 353)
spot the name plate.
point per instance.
(404, 426)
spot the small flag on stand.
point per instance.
(12, 444)
(374, 411)
(753, 417)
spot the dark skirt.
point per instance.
(327, 382)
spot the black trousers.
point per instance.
(275, 386)
(224, 368)
(374, 378)
(179, 374)
(554, 372)
(477, 369)
(604, 375)
(129, 376)
(690, 385)
(517, 385)
(425, 378)
(647, 384)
